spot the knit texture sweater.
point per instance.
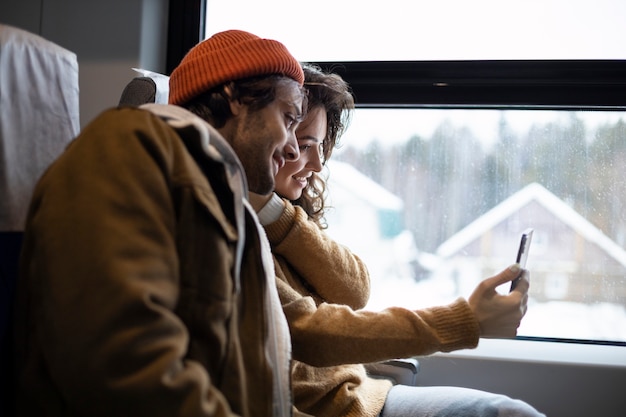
(323, 288)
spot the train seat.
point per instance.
(39, 116)
(148, 87)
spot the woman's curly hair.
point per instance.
(331, 92)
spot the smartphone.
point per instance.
(522, 253)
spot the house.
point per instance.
(570, 259)
(367, 218)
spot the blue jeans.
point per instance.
(410, 401)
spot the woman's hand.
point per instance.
(500, 315)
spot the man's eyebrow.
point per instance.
(298, 113)
(309, 137)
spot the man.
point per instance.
(146, 288)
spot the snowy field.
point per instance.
(556, 319)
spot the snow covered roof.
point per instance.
(345, 177)
(532, 192)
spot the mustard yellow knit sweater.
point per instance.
(323, 288)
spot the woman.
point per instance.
(323, 286)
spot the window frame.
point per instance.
(554, 84)
(185, 29)
(489, 84)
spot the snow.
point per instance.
(554, 319)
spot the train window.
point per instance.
(446, 193)
(471, 125)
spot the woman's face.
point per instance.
(293, 177)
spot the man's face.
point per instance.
(265, 139)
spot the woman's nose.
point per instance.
(315, 161)
(292, 150)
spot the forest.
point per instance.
(452, 176)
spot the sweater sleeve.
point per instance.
(331, 334)
(335, 274)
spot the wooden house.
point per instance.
(570, 259)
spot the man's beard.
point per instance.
(260, 179)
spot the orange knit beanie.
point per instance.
(229, 56)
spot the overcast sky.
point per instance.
(430, 30)
(391, 127)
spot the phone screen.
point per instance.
(522, 252)
(524, 246)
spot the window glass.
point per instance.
(352, 30)
(435, 200)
